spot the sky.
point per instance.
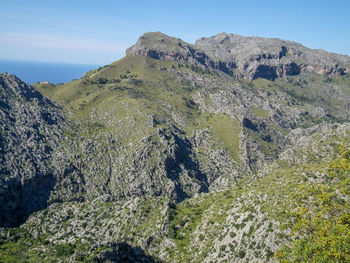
(98, 32)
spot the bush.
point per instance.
(65, 250)
(241, 253)
(321, 219)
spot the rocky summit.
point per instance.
(175, 153)
(243, 57)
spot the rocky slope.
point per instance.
(175, 153)
(30, 129)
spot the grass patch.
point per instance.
(228, 130)
(259, 112)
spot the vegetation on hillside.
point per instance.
(170, 155)
(321, 219)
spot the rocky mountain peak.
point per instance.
(271, 57)
(11, 86)
(242, 57)
(160, 46)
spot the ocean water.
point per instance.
(32, 72)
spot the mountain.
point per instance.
(176, 153)
(30, 128)
(243, 57)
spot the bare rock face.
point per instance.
(30, 128)
(243, 57)
(271, 57)
(160, 46)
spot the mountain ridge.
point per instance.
(252, 57)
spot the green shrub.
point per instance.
(241, 253)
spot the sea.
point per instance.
(55, 73)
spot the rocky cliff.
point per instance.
(243, 57)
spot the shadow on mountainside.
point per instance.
(18, 200)
(183, 159)
(123, 252)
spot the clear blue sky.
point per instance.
(98, 32)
